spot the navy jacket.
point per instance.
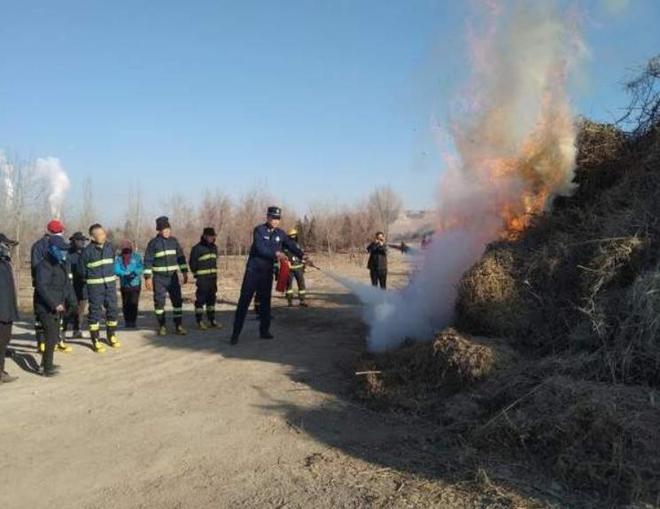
(53, 286)
(38, 252)
(265, 243)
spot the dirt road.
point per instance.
(194, 422)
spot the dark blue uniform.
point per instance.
(74, 316)
(163, 260)
(97, 266)
(259, 274)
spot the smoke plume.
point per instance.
(514, 142)
(51, 170)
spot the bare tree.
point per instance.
(88, 212)
(384, 206)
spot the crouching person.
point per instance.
(54, 294)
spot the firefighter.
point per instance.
(163, 260)
(204, 266)
(296, 271)
(54, 294)
(267, 244)
(377, 264)
(96, 264)
(38, 252)
(77, 243)
(8, 305)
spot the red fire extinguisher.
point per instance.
(283, 276)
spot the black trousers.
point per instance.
(38, 327)
(206, 295)
(260, 282)
(163, 286)
(5, 337)
(130, 299)
(379, 277)
(74, 316)
(51, 327)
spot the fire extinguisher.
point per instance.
(283, 276)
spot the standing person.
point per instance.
(296, 271)
(204, 267)
(129, 269)
(97, 265)
(54, 294)
(377, 264)
(268, 241)
(38, 252)
(163, 260)
(8, 306)
(74, 318)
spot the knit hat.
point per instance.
(162, 223)
(55, 226)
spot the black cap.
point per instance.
(209, 232)
(162, 222)
(78, 236)
(275, 212)
(6, 240)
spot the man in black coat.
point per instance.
(8, 307)
(377, 264)
(54, 292)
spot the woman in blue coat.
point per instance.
(129, 268)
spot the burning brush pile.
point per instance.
(572, 382)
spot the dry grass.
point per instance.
(577, 297)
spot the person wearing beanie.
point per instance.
(163, 260)
(38, 252)
(77, 243)
(269, 242)
(97, 265)
(54, 294)
(129, 268)
(8, 304)
(204, 267)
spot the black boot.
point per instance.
(266, 335)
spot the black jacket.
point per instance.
(204, 260)
(164, 257)
(377, 257)
(53, 286)
(8, 307)
(97, 264)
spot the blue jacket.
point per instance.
(265, 243)
(130, 276)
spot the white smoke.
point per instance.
(515, 152)
(52, 171)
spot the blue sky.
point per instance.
(317, 100)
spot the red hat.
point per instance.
(55, 226)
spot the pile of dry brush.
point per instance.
(572, 384)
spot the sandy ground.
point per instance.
(194, 422)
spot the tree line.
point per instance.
(324, 227)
